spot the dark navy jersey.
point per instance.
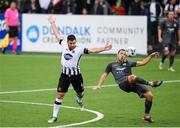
(120, 70)
(169, 31)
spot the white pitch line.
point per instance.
(52, 89)
(99, 115)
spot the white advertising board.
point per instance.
(90, 31)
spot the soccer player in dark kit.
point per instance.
(70, 59)
(128, 82)
(168, 31)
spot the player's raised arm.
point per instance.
(52, 21)
(147, 59)
(101, 81)
(107, 47)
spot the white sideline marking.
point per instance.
(52, 89)
(98, 114)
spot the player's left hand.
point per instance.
(154, 54)
(107, 47)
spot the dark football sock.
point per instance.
(163, 58)
(141, 81)
(148, 105)
(171, 61)
(79, 97)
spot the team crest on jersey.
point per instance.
(67, 56)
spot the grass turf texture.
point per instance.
(41, 71)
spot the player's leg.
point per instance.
(165, 53)
(143, 92)
(62, 88)
(171, 59)
(77, 83)
(15, 39)
(134, 79)
(148, 104)
(14, 46)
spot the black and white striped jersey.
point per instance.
(70, 59)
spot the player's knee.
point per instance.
(149, 96)
(166, 52)
(173, 53)
(131, 78)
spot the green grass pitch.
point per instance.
(120, 109)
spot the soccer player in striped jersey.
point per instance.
(71, 54)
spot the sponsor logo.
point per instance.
(67, 56)
(32, 33)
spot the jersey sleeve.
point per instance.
(63, 43)
(6, 14)
(132, 63)
(108, 68)
(86, 51)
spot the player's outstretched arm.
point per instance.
(107, 47)
(52, 21)
(147, 59)
(101, 81)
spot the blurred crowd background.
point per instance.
(155, 10)
(97, 7)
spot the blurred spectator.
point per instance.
(101, 7)
(32, 6)
(55, 6)
(3, 5)
(172, 5)
(68, 7)
(135, 7)
(44, 4)
(118, 8)
(12, 25)
(20, 5)
(84, 11)
(153, 10)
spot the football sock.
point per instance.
(163, 58)
(141, 81)
(171, 61)
(148, 105)
(79, 97)
(56, 107)
(14, 47)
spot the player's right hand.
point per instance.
(51, 19)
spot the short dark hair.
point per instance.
(71, 38)
(122, 49)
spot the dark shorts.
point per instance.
(170, 47)
(13, 31)
(65, 81)
(136, 88)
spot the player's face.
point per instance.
(71, 44)
(121, 55)
(171, 15)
